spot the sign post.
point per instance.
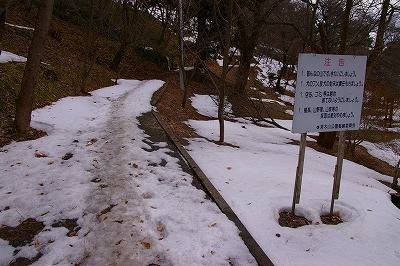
(329, 95)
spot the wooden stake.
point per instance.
(338, 170)
(299, 172)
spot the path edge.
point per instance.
(259, 255)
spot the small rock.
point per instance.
(67, 156)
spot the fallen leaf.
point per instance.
(153, 207)
(160, 228)
(118, 242)
(36, 243)
(213, 225)
(229, 168)
(72, 233)
(147, 245)
(278, 235)
(40, 155)
(135, 165)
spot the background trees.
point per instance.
(30, 77)
(276, 29)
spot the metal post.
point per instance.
(338, 170)
(299, 172)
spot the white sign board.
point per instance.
(329, 93)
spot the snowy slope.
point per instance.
(6, 57)
(257, 181)
(134, 204)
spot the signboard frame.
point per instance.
(329, 96)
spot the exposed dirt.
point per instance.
(22, 234)
(70, 224)
(332, 220)
(287, 219)
(21, 261)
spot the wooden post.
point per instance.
(299, 172)
(338, 170)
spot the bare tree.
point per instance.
(251, 19)
(31, 72)
(227, 46)
(3, 10)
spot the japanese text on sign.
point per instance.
(329, 93)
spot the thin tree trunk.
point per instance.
(243, 72)
(89, 53)
(391, 110)
(378, 47)
(345, 27)
(396, 176)
(31, 72)
(227, 45)
(3, 11)
(119, 56)
(283, 71)
(327, 139)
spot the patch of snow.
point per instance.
(208, 105)
(189, 39)
(290, 112)
(141, 210)
(6, 57)
(384, 151)
(287, 99)
(257, 180)
(267, 101)
(19, 27)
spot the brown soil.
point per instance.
(287, 219)
(332, 220)
(22, 234)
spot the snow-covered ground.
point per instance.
(6, 57)
(268, 101)
(132, 201)
(19, 27)
(257, 180)
(383, 151)
(207, 105)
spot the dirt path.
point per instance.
(117, 211)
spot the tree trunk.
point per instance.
(90, 51)
(3, 9)
(391, 110)
(119, 56)
(282, 73)
(327, 139)
(31, 72)
(396, 176)
(201, 43)
(227, 45)
(379, 42)
(125, 35)
(345, 27)
(243, 72)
